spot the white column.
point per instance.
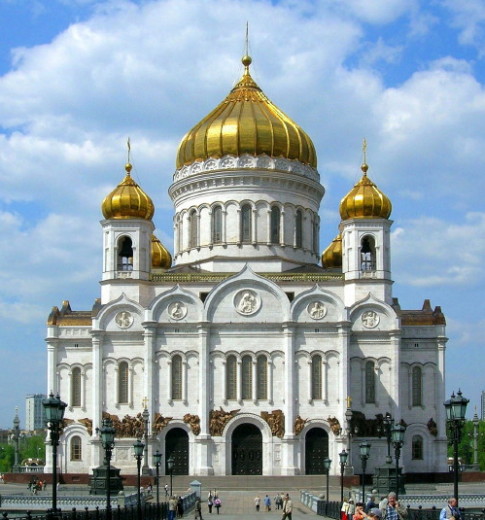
(184, 380)
(83, 389)
(309, 380)
(169, 381)
(52, 383)
(325, 381)
(223, 380)
(396, 348)
(239, 381)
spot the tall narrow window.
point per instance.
(217, 225)
(246, 223)
(125, 254)
(76, 448)
(193, 229)
(177, 377)
(315, 236)
(299, 228)
(417, 385)
(368, 254)
(370, 382)
(317, 377)
(262, 377)
(247, 377)
(417, 448)
(123, 382)
(76, 387)
(231, 378)
(275, 225)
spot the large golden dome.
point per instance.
(365, 200)
(161, 258)
(332, 256)
(128, 200)
(246, 122)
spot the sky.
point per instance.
(78, 77)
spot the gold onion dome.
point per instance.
(161, 258)
(332, 256)
(128, 200)
(246, 122)
(365, 200)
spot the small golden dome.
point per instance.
(332, 256)
(128, 200)
(246, 122)
(365, 200)
(161, 258)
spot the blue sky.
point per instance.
(77, 77)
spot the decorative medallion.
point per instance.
(316, 310)
(177, 310)
(370, 319)
(246, 302)
(124, 319)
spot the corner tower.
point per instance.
(246, 189)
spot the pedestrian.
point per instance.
(172, 507)
(371, 504)
(180, 508)
(210, 503)
(393, 510)
(198, 510)
(374, 514)
(217, 503)
(344, 510)
(451, 511)
(287, 507)
(278, 500)
(166, 490)
(359, 511)
(257, 503)
(267, 503)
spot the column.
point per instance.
(204, 439)
(254, 389)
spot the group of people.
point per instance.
(281, 501)
(390, 509)
(36, 485)
(175, 507)
(213, 500)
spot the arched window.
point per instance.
(217, 225)
(245, 232)
(417, 447)
(76, 387)
(125, 254)
(368, 254)
(231, 378)
(123, 382)
(247, 378)
(370, 382)
(193, 229)
(417, 386)
(262, 377)
(275, 225)
(299, 228)
(177, 377)
(76, 448)
(317, 377)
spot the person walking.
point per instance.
(217, 503)
(172, 507)
(393, 510)
(166, 490)
(257, 503)
(451, 511)
(267, 503)
(198, 510)
(287, 507)
(278, 501)
(210, 502)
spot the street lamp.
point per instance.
(343, 460)
(170, 464)
(54, 414)
(16, 438)
(455, 418)
(107, 434)
(388, 423)
(138, 448)
(364, 448)
(146, 417)
(326, 468)
(348, 419)
(157, 459)
(397, 436)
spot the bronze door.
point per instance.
(247, 450)
(177, 446)
(316, 449)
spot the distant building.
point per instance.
(34, 412)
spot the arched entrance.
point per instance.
(247, 450)
(177, 446)
(316, 449)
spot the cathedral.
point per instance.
(247, 351)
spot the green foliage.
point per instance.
(6, 457)
(465, 447)
(29, 448)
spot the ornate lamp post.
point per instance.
(343, 460)
(138, 449)
(476, 424)
(348, 420)
(455, 418)
(388, 422)
(397, 435)
(326, 467)
(16, 439)
(170, 464)
(54, 414)
(107, 434)
(146, 418)
(364, 456)
(157, 459)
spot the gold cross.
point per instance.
(145, 402)
(349, 401)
